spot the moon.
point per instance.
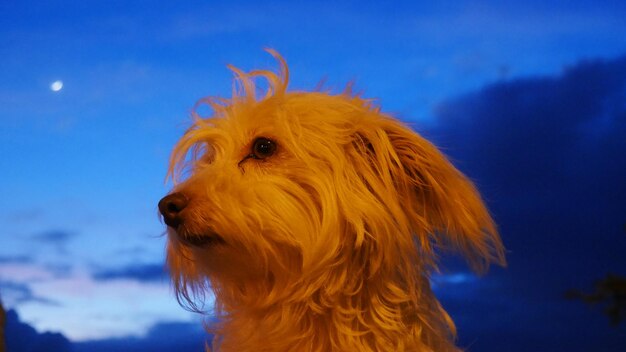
(56, 86)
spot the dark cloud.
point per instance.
(162, 337)
(139, 272)
(543, 132)
(21, 337)
(549, 156)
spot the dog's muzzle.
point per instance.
(171, 206)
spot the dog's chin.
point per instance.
(199, 240)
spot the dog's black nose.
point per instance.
(171, 206)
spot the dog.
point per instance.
(315, 220)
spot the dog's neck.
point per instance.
(373, 314)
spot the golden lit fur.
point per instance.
(326, 245)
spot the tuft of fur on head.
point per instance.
(328, 244)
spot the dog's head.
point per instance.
(288, 189)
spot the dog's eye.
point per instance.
(263, 148)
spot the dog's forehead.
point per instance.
(243, 124)
(294, 114)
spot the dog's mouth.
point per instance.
(202, 240)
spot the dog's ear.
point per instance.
(440, 205)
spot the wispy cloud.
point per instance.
(20, 259)
(16, 293)
(54, 236)
(58, 239)
(24, 215)
(140, 272)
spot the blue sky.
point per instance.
(527, 97)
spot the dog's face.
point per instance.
(292, 186)
(278, 185)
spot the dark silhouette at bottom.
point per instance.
(3, 319)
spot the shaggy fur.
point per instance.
(326, 244)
